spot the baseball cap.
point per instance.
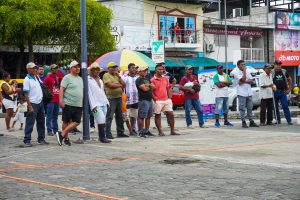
(30, 65)
(73, 63)
(188, 67)
(53, 66)
(277, 62)
(142, 68)
(268, 66)
(111, 64)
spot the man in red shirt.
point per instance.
(189, 85)
(52, 81)
(162, 95)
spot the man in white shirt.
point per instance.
(244, 80)
(34, 98)
(266, 95)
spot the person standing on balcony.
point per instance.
(283, 83)
(178, 32)
(244, 80)
(222, 82)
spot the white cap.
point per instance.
(30, 65)
(73, 63)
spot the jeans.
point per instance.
(266, 106)
(188, 104)
(39, 116)
(115, 107)
(221, 105)
(281, 96)
(51, 117)
(245, 103)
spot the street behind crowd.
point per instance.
(212, 163)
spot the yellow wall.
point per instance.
(149, 18)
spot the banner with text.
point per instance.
(240, 32)
(158, 51)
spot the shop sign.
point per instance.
(158, 51)
(288, 21)
(240, 32)
(288, 58)
(116, 33)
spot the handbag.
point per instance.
(47, 93)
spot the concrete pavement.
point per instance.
(212, 163)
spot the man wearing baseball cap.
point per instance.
(52, 107)
(114, 86)
(283, 83)
(34, 97)
(70, 99)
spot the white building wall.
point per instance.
(219, 52)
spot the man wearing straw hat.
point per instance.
(113, 85)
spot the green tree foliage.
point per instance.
(25, 23)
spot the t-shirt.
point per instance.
(187, 94)
(131, 90)
(243, 89)
(22, 108)
(53, 84)
(73, 93)
(279, 80)
(142, 94)
(31, 85)
(223, 91)
(160, 93)
(112, 93)
(4, 95)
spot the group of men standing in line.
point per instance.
(144, 96)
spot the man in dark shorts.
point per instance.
(145, 111)
(70, 99)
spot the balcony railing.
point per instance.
(252, 54)
(184, 36)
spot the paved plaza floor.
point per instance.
(211, 164)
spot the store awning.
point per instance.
(195, 62)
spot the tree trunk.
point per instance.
(30, 50)
(20, 61)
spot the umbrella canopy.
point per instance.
(123, 57)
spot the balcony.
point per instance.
(186, 39)
(252, 54)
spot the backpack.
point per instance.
(47, 93)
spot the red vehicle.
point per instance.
(177, 97)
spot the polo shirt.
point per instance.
(244, 89)
(160, 92)
(32, 86)
(131, 89)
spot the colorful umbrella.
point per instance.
(123, 57)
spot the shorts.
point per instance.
(145, 109)
(19, 117)
(71, 114)
(221, 105)
(8, 103)
(133, 110)
(163, 106)
(100, 115)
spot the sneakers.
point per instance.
(27, 144)
(190, 127)
(67, 142)
(104, 140)
(92, 129)
(142, 133)
(217, 124)
(150, 134)
(253, 124)
(227, 123)
(203, 126)
(290, 123)
(244, 124)
(43, 142)
(59, 138)
(133, 133)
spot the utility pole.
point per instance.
(86, 130)
(226, 35)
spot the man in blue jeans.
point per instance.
(222, 82)
(283, 83)
(191, 97)
(34, 98)
(244, 93)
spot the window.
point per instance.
(219, 40)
